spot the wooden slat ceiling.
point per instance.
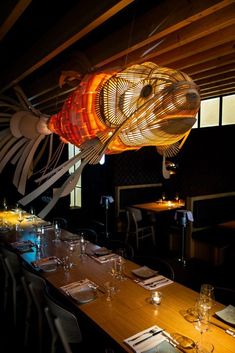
(40, 39)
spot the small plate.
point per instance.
(102, 252)
(83, 295)
(144, 272)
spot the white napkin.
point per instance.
(149, 343)
(105, 258)
(154, 282)
(227, 314)
(78, 285)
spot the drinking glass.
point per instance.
(110, 290)
(20, 219)
(207, 296)
(83, 245)
(119, 264)
(57, 231)
(201, 324)
(72, 245)
(177, 197)
(163, 196)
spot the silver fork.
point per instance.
(144, 333)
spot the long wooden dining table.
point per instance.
(130, 310)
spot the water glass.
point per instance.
(119, 268)
(110, 290)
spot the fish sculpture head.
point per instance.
(150, 106)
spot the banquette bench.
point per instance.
(206, 240)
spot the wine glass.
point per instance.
(57, 231)
(207, 297)
(177, 197)
(201, 324)
(20, 219)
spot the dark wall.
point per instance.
(205, 166)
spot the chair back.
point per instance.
(63, 223)
(34, 287)
(155, 263)
(62, 335)
(68, 320)
(225, 295)
(134, 215)
(88, 233)
(13, 266)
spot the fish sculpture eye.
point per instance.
(146, 91)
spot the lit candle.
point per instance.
(156, 297)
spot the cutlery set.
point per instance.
(135, 341)
(152, 284)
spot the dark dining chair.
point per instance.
(36, 324)
(69, 333)
(5, 279)
(16, 293)
(88, 233)
(120, 247)
(225, 295)
(156, 263)
(63, 223)
(138, 227)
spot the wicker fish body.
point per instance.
(142, 105)
(147, 104)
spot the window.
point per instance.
(76, 194)
(228, 110)
(209, 112)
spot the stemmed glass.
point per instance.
(57, 231)
(201, 323)
(177, 197)
(207, 297)
(20, 219)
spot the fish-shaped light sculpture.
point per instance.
(108, 113)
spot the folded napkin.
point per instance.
(148, 340)
(227, 314)
(154, 282)
(23, 246)
(46, 260)
(105, 258)
(78, 284)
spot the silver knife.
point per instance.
(146, 338)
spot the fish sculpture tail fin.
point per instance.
(90, 152)
(23, 130)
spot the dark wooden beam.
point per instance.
(13, 16)
(81, 20)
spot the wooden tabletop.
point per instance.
(160, 206)
(130, 311)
